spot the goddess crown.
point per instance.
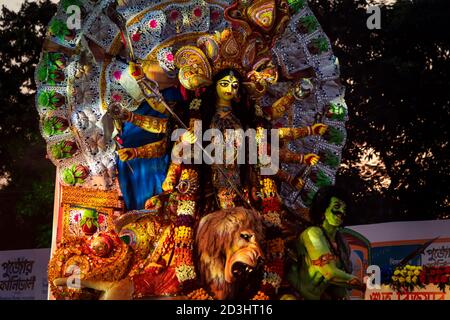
(243, 47)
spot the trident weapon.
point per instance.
(150, 90)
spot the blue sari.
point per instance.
(147, 175)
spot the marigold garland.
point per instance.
(260, 296)
(199, 294)
(274, 268)
(184, 236)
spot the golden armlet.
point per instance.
(291, 157)
(152, 150)
(158, 106)
(149, 123)
(174, 170)
(280, 107)
(294, 133)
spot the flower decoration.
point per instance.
(174, 15)
(63, 150)
(96, 143)
(59, 29)
(116, 96)
(184, 236)
(195, 104)
(76, 174)
(318, 45)
(166, 59)
(409, 277)
(50, 74)
(55, 59)
(274, 268)
(336, 111)
(308, 24)
(334, 135)
(50, 100)
(117, 75)
(53, 126)
(198, 12)
(89, 222)
(83, 94)
(136, 37)
(153, 24)
(215, 15)
(199, 294)
(297, 5)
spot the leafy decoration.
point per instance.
(321, 44)
(334, 136)
(62, 150)
(59, 29)
(310, 23)
(322, 179)
(330, 159)
(90, 218)
(53, 126)
(296, 5)
(74, 175)
(336, 112)
(67, 3)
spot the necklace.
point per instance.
(222, 107)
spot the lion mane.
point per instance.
(217, 237)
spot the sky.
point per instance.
(15, 4)
(11, 4)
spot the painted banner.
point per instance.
(430, 292)
(390, 243)
(23, 274)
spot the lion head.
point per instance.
(228, 250)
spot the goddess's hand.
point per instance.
(319, 129)
(127, 154)
(117, 112)
(311, 159)
(136, 71)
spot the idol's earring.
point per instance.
(237, 98)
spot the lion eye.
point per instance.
(245, 236)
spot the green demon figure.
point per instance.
(323, 270)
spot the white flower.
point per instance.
(272, 278)
(185, 273)
(186, 207)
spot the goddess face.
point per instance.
(227, 88)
